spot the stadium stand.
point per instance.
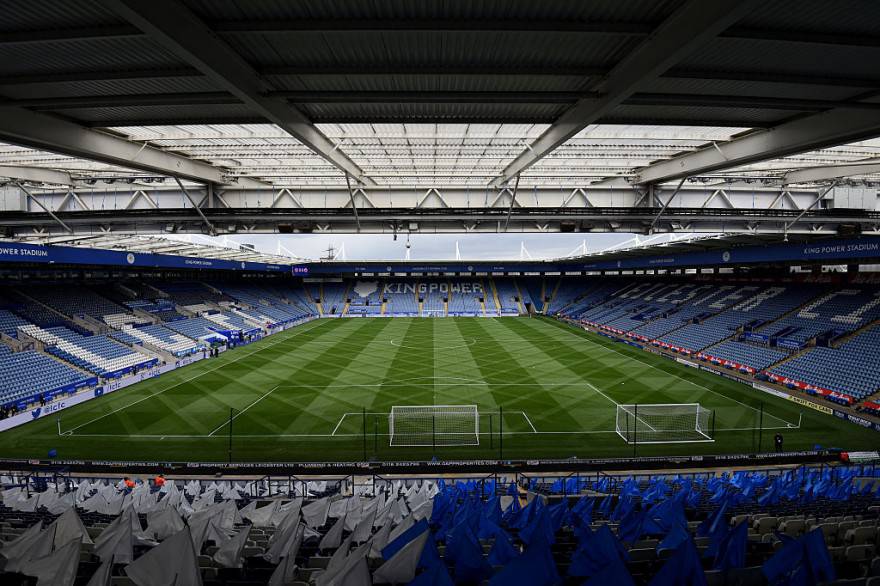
(833, 314)
(508, 296)
(297, 297)
(191, 293)
(744, 354)
(433, 296)
(196, 328)
(230, 321)
(30, 376)
(266, 306)
(401, 298)
(840, 370)
(9, 322)
(97, 354)
(744, 306)
(464, 298)
(366, 298)
(81, 301)
(749, 328)
(332, 296)
(744, 526)
(164, 339)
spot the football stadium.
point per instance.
(331, 293)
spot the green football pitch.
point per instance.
(323, 392)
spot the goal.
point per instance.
(434, 425)
(661, 423)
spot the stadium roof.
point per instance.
(178, 246)
(432, 93)
(435, 154)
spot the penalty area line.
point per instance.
(234, 417)
(346, 414)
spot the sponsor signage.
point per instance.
(811, 405)
(862, 457)
(789, 343)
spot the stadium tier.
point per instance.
(164, 339)
(790, 333)
(30, 377)
(746, 526)
(401, 298)
(508, 297)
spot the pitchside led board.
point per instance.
(866, 247)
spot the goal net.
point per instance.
(434, 425)
(664, 423)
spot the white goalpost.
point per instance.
(434, 425)
(664, 423)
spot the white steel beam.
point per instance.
(694, 23)
(36, 175)
(179, 30)
(830, 128)
(813, 174)
(23, 127)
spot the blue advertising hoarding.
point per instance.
(19, 252)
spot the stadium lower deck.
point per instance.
(322, 391)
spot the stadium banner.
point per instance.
(36, 253)
(726, 363)
(687, 362)
(811, 405)
(789, 343)
(833, 396)
(755, 337)
(93, 393)
(860, 421)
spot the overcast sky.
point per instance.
(429, 246)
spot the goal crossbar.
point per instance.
(434, 425)
(659, 423)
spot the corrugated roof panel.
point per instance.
(601, 10)
(430, 82)
(28, 15)
(860, 17)
(693, 114)
(109, 87)
(145, 115)
(379, 49)
(434, 112)
(820, 60)
(719, 87)
(94, 55)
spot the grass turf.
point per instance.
(300, 396)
